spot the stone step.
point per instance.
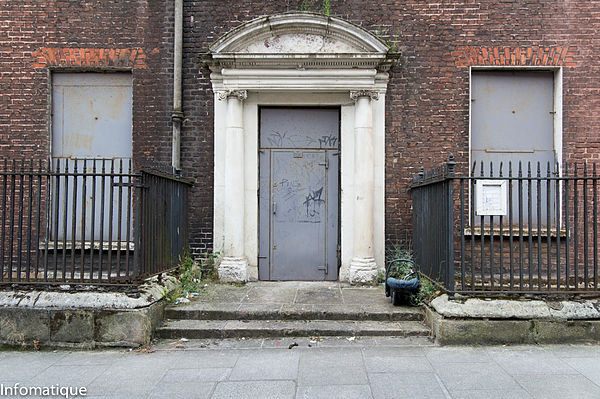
(199, 329)
(209, 311)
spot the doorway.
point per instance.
(299, 151)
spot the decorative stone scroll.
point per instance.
(355, 94)
(240, 94)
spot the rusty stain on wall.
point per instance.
(515, 56)
(90, 57)
(78, 141)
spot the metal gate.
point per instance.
(299, 193)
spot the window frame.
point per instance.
(557, 128)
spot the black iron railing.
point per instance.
(508, 228)
(89, 221)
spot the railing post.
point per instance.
(450, 224)
(139, 224)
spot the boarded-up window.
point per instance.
(92, 121)
(512, 124)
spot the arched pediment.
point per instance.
(299, 32)
(298, 40)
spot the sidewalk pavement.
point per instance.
(346, 368)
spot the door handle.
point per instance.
(274, 207)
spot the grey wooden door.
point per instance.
(298, 195)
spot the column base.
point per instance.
(362, 271)
(232, 269)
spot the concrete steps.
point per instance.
(199, 320)
(291, 309)
(198, 329)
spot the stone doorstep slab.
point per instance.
(82, 319)
(477, 321)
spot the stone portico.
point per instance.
(299, 59)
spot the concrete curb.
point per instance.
(494, 322)
(82, 319)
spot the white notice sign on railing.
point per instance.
(491, 197)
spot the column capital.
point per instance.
(239, 94)
(355, 94)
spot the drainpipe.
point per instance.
(177, 115)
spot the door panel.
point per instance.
(299, 128)
(298, 199)
(298, 215)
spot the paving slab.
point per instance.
(474, 376)
(392, 363)
(271, 293)
(223, 293)
(255, 389)
(266, 365)
(394, 385)
(189, 390)
(530, 361)
(334, 391)
(587, 366)
(579, 350)
(80, 375)
(437, 355)
(377, 351)
(319, 295)
(333, 366)
(559, 386)
(195, 375)
(365, 296)
(492, 394)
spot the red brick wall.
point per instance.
(427, 113)
(39, 36)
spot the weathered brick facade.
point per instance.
(428, 93)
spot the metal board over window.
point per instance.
(92, 121)
(512, 130)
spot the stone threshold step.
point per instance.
(198, 329)
(212, 312)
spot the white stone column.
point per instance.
(234, 265)
(363, 268)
